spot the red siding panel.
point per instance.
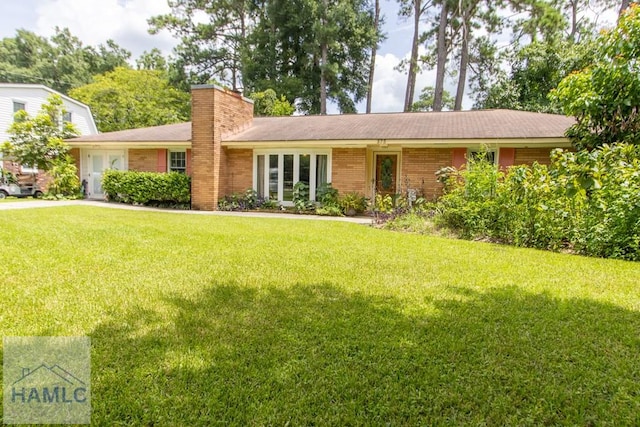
(507, 157)
(459, 157)
(162, 160)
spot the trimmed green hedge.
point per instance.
(146, 188)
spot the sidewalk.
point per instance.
(99, 204)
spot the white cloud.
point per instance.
(96, 21)
(390, 85)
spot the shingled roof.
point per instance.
(179, 132)
(478, 124)
(458, 125)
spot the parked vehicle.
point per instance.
(11, 186)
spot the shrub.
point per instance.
(248, 200)
(301, 200)
(353, 203)
(327, 195)
(147, 188)
(586, 201)
(64, 179)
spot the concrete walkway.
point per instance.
(56, 203)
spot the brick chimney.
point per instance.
(215, 114)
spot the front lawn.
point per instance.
(204, 320)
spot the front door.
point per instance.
(98, 161)
(386, 173)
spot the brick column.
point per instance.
(215, 114)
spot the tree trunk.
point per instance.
(464, 62)
(442, 58)
(413, 62)
(574, 21)
(323, 79)
(323, 64)
(374, 51)
(623, 7)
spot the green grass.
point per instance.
(205, 320)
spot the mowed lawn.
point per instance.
(207, 320)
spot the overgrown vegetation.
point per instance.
(605, 96)
(584, 202)
(147, 188)
(272, 322)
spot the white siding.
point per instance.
(33, 96)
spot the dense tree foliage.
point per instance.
(536, 70)
(267, 103)
(61, 62)
(425, 100)
(128, 99)
(39, 141)
(310, 51)
(605, 97)
(212, 38)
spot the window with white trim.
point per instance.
(66, 117)
(18, 106)
(277, 171)
(178, 161)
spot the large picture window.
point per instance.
(277, 171)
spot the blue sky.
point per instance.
(95, 21)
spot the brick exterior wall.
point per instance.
(239, 170)
(419, 166)
(143, 160)
(75, 153)
(41, 179)
(526, 156)
(348, 171)
(214, 113)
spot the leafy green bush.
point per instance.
(64, 179)
(327, 195)
(586, 201)
(353, 203)
(301, 200)
(146, 188)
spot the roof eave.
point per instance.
(130, 144)
(560, 142)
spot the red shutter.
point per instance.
(459, 157)
(507, 157)
(162, 160)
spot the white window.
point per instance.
(28, 169)
(178, 161)
(18, 106)
(277, 171)
(490, 155)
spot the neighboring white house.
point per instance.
(31, 97)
